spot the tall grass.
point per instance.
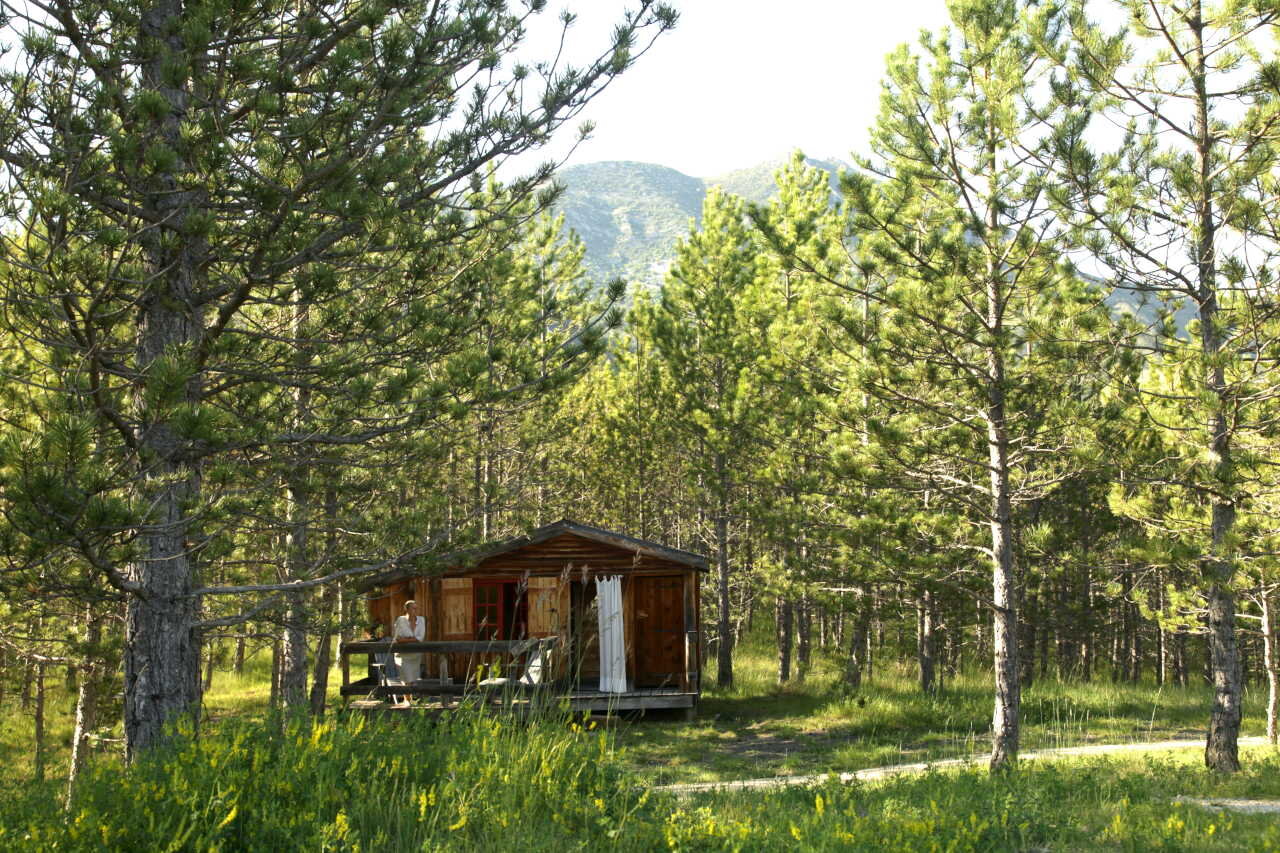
(1104, 805)
(468, 782)
(759, 728)
(481, 783)
(253, 781)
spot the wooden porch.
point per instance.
(508, 657)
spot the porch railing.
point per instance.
(513, 659)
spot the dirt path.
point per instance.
(872, 773)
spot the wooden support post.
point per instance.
(345, 657)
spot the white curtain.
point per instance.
(613, 659)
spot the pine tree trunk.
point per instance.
(1044, 652)
(86, 701)
(1208, 656)
(875, 647)
(324, 652)
(162, 646)
(1135, 645)
(330, 606)
(925, 642)
(293, 653)
(1088, 634)
(804, 637)
(860, 644)
(39, 761)
(1004, 579)
(293, 672)
(344, 615)
(1027, 643)
(273, 700)
(240, 654)
(1273, 670)
(208, 667)
(29, 668)
(1221, 752)
(783, 624)
(1180, 657)
(724, 652)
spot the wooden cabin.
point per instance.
(543, 585)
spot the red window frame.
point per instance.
(497, 607)
(487, 616)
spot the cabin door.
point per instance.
(659, 640)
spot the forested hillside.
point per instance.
(270, 325)
(630, 215)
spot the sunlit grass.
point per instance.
(255, 781)
(17, 733)
(1108, 804)
(760, 729)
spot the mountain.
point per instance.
(759, 184)
(631, 214)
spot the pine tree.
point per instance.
(706, 347)
(973, 324)
(1181, 213)
(182, 170)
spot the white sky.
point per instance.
(738, 82)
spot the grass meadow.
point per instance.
(759, 729)
(254, 781)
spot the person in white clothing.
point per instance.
(409, 628)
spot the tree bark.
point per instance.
(783, 629)
(1220, 751)
(293, 653)
(1004, 577)
(293, 671)
(324, 652)
(162, 649)
(860, 643)
(1180, 657)
(208, 667)
(724, 651)
(925, 645)
(86, 700)
(804, 637)
(273, 700)
(1135, 644)
(29, 668)
(330, 606)
(39, 761)
(1273, 671)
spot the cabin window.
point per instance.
(501, 610)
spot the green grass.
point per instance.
(478, 783)
(758, 729)
(232, 697)
(1105, 805)
(17, 733)
(474, 783)
(469, 783)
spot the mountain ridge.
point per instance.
(630, 214)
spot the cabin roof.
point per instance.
(471, 557)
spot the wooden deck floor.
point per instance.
(427, 695)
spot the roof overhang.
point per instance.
(466, 559)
